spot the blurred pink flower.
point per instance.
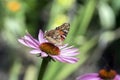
(41, 46)
(102, 75)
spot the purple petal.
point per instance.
(58, 58)
(22, 41)
(31, 39)
(69, 52)
(63, 46)
(41, 36)
(67, 47)
(65, 59)
(70, 59)
(89, 76)
(28, 43)
(35, 51)
(117, 77)
(43, 54)
(72, 50)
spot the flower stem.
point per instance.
(43, 68)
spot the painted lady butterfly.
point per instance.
(58, 35)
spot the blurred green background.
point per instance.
(94, 30)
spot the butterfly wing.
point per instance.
(58, 35)
(63, 30)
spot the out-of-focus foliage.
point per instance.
(93, 25)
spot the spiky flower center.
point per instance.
(107, 74)
(49, 48)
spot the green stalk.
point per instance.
(43, 68)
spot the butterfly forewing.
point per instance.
(58, 35)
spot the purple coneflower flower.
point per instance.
(102, 75)
(44, 48)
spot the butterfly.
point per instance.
(58, 35)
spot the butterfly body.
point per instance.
(58, 35)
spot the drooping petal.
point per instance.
(70, 59)
(41, 36)
(65, 59)
(43, 54)
(58, 58)
(22, 42)
(27, 43)
(35, 51)
(31, 39)
(89, 76)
